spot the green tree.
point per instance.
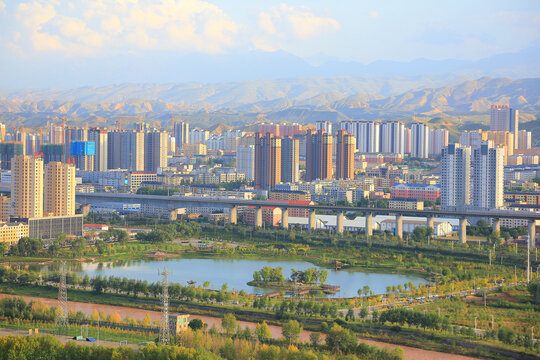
(315, 339)
(340, 340)
(228, 323)
(291, 331)
(77, 246)
(3, 248)
(263, 332)
(195, 324)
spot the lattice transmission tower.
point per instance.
(164, 326)
(63, 309)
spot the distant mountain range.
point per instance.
(169, 67)
(302, 100)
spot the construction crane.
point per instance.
(129, 116)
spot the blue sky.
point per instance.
(34, 31)
(348, 30)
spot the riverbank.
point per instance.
(410, 353)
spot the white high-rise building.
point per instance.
(245, 161)
(367, 135)
(324, 125)
(198, 136)
(488, 176)
(438, 139)
(393, 137)
(455, 177)
(419, 140)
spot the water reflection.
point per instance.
(237, 272)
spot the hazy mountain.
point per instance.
(234, 67)
(300, 100)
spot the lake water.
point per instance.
(236, 273)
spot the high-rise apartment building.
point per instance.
(504, 118)
(367, 135)
(59, 189)
(393, 137)
(100, 138)
(56, 134)
(455, 177)
(290, 159)
(324, 125)
(181, 134)
(488, 176)
(155, 150)
(318, 155)
(524, 140)
(438, 139)
(267, 161)
(198, 136)
(82, 154)
(72, 134)
(245, 161)
(27, 186)
(132, 150)
(419, 140)
(346, 145)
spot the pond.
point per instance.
(236, 273)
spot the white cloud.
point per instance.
(373, 14)
(112, 25)
(2, 6)
(125, 26)
(299, 22)
(266, 23)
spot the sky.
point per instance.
(34, 32)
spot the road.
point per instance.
(410, 353)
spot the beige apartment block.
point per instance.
(27, 186)
(59, 190)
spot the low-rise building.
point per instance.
(440, 228)
(415, 191)
(406, 204)
(289, 195)
(11, 232)
(271, 216)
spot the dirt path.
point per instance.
(139, 314)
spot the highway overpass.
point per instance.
(175, 202)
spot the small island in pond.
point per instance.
(311, 280)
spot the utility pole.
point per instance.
(528, 263)
(164, 328)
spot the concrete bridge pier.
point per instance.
(312, 225)
(463, 230)
(369, 224)
(532, 234)
(233, 215)
(399, 226)
(258, 217)
(285, 218)
(431, 223)
(497, 225)
(339, 227)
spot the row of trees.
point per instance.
(269, 274)
(311, 275)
